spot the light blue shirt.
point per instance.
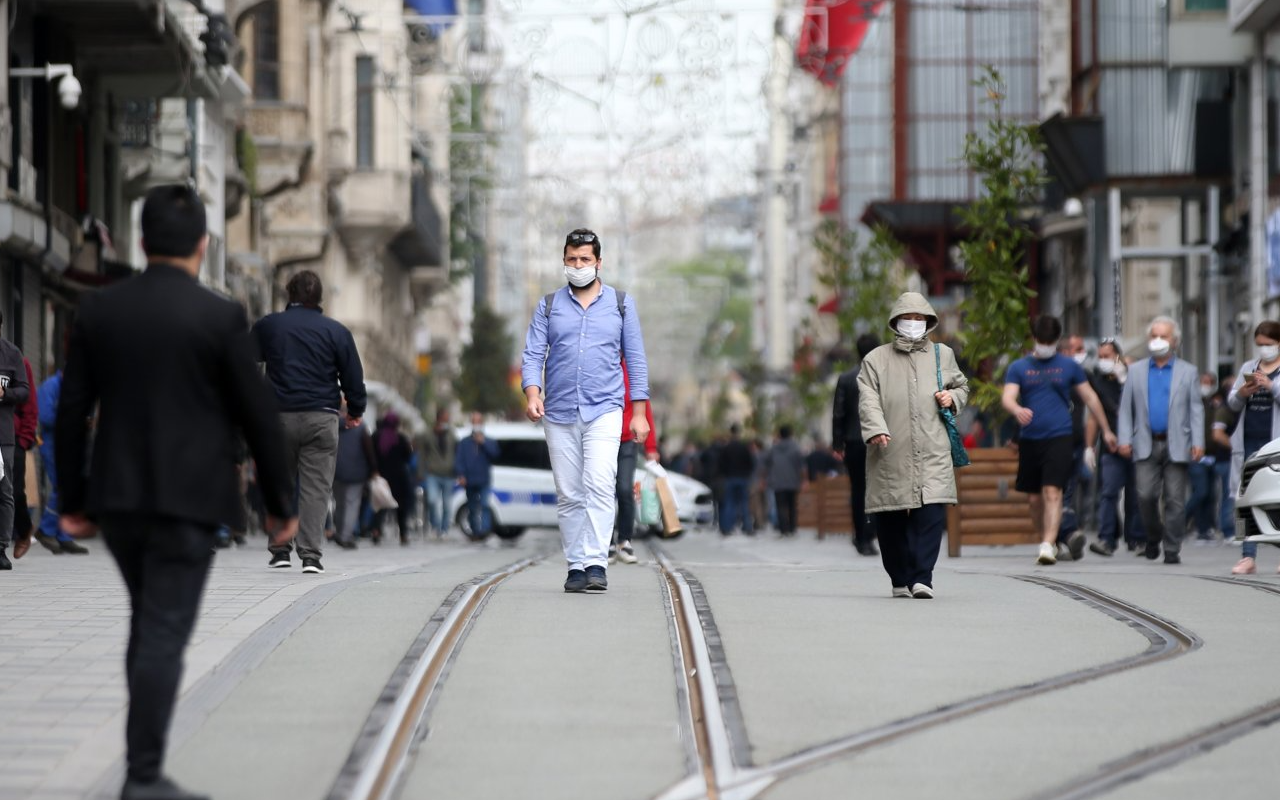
(1159, 385)
(580, 350)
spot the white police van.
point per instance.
(523, 492)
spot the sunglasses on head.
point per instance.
(581, 238)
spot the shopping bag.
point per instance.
(670, 516)
(380, 497)
(649, 514)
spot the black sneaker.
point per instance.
(1172, 558)
(73, 547)
(1102, 548)
(5, 563)
(596, 580)
(1152, 551)
(280, 561)
(347, 544)
(1075, 544)
(312, 565)
(49, 543)
(576, 582)
(867, 549)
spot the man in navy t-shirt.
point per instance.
(1037, 392)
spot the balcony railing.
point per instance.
(421, 244)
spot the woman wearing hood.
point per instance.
(910, 478)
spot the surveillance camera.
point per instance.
(69, 91)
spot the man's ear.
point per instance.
(202, 247)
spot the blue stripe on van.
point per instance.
(527, 498)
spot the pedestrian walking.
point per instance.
(1219, 445)
(1073, 347)
(1037, 393)
(578, 337)
(1162, 428)
(473, 468)
(49, 534)
(354, 466)
(784, 471)
(821, 461)
(736, 467)
(26, 422)
(308, 357)
(910, 476)
(14, 391)
(1200, 473)
(393, 452)
(1115, 472)
(621, 548)
(1254, 395)
(163, 478)
(437, 450)
(846, 437)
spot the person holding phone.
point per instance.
(1254, 395)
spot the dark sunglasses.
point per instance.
(581, 238)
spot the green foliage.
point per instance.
(247, 159)
(483, 381)
(865, 281)
(1006, 158)
(469, 178)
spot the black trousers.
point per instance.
(22, 524)
(855, 463)
(785, 500)
(910, 541)
(164, 563)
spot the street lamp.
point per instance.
(68, 87)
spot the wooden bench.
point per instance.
(825, 505)
(990, 510)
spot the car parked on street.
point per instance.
(523, 493)
(1258, 500)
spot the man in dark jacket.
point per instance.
(737, 465)
(163, 477)
(473, 466)
(14, 391)
(846, 439)
(308, 357)
(354, 466)
(437, 449)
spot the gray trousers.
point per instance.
(6, 497)
(311, 453)
(1160, 475)
(346, 511)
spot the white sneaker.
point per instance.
(627, 554)
(922, 592)
(1048, 554)
(901, 591)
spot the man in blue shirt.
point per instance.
(1037, 393)
(1162, 428)
(571, 375)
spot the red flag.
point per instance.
(833, 31)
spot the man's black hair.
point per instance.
(735, 429)
(785, 431)
(866, 343)
(581, 236)
(305, 289)
(173, 221)
(1046, 329)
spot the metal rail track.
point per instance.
(377, 761)
(725, 769)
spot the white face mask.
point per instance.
(1159, 347)
(1268, 352)
(581, 276)
(1207, 391)
(913, 329)
(1080, 358)
(1106, 366)
(1044, 352)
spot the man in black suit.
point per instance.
(846, 439)
(171, 369)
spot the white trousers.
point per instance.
(584, 460)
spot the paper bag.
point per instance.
(670, 519)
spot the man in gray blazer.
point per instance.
(1162, 429)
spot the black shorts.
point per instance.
(1044, 462)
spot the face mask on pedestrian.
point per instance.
(1044, 352)
(1207, 391)
(1107, 366)
(580, 276)
(1268, 352)
(913, 329)
(1080, 358)
(1159, 347)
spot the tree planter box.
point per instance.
(990, 510)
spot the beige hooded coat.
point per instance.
(896, 396)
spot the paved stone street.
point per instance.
(1097, 678)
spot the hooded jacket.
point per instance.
(896, 397)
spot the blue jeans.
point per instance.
(437, 489)
(736, 505)
(1200, 504)
(478, 517)
(1117, 473)
(1226, 503)
(49, 518)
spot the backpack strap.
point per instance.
(622, 299)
